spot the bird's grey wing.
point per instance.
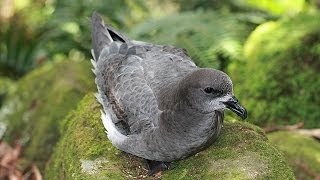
(180, 52)
(178, 56)
(167, 63)
(127, 90)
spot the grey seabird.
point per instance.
(157, 104)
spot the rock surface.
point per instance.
(84, 152)
(32, 112)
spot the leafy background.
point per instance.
(270, 48)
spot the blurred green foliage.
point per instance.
(279, 81)
(33, 32)
(212, 39)
(271, 49)
(280, 54)
(282, 7)
(6, 86)
(272, 7)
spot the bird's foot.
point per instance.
(155, 168)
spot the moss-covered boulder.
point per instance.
(32, 112)
(302, 152)
(84, 152)
(279, 82)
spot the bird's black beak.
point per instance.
(235, 107)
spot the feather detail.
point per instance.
(98, 97)
(94, 64)
(113, 134)
(94, 57)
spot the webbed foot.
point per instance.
(156, 167)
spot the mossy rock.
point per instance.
(302, 152)
(84, 152)
(279, 82)
(42, 98)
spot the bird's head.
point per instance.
(208, 90)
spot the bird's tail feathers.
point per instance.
(103, 35)
(114, 135)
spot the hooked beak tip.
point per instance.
(234, 105)
(244, 115)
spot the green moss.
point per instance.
(42, 98)
(279, 82)
(302, 152)
(241, 152)
(84, 140)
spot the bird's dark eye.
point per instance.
(208, 90)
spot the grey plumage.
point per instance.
(157, 103)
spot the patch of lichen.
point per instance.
(41, 99)
(302, 153)
(241, 152)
